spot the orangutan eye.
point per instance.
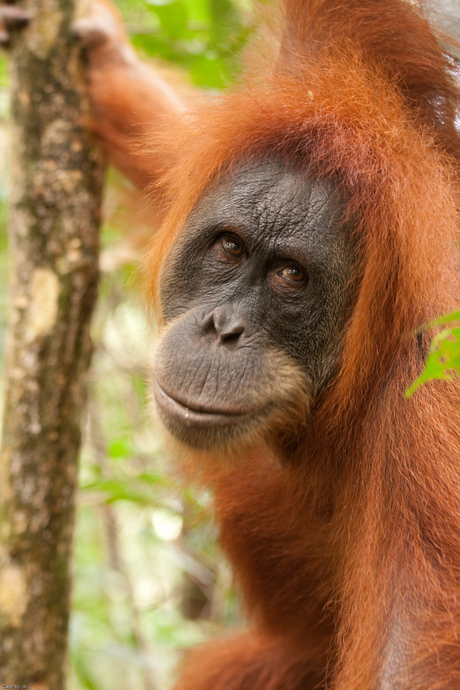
(232, 245)
(290, 277)
(293, 274)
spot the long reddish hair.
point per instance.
(360, 92)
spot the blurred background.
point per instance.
(148, 578)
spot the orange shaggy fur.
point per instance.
(348, 557)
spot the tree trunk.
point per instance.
(55, 195)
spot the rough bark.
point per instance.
(54, 215)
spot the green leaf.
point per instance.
(120, 490)
(442, 320)
(208, 71)
(173, 16)
(444, 357)
(121, 447)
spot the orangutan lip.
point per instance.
(194, 418)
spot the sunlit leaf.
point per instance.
(444, 357)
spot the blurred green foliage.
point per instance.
(203, 37)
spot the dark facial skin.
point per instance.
(255, 296)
